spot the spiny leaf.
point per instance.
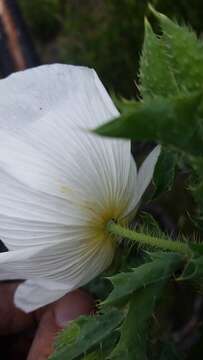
(133, 341)
(185, 53)
(103, 349)
(170, 121)
(84, 333)
(156, 77)
(194, 270)
(157, 270)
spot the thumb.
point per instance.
(55, 317)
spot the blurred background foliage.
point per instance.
(104, 34)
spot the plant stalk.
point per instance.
(145, 239)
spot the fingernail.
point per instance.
(64, 314)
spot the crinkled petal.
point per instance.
(68, 91)
(58, 145)
(70, 264)
(146, 171)
(33, 294)
(131, 194)
(51, 170)
(57, 180)
(91, 178)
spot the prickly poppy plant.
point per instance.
(79, 218)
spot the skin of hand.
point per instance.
(45, 322)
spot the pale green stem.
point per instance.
(145, 239)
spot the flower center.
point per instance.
(98, 224)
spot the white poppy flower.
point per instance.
(60, 185)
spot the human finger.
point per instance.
(56, 316)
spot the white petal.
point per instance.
(32, 94)
(146, 171)
(87, 165)
(80, 102)
(33, 294)
(131, 189)
(69, 263)
(57, 178)
(52, 156)
(21, 202)
(31, 189)
(60, 98)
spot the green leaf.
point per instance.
(197, 248)
(185, 53)
(84, 333)
(194, 270)
(156, 77)
(103, 349)
(124, 284)
(170, 121)
(133, 341)
(165, 171)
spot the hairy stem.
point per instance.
(145, 239)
